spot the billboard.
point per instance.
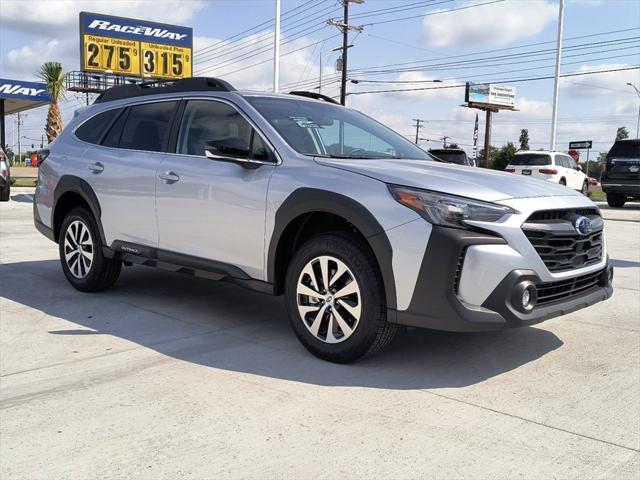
(126, 46)
(487, 94)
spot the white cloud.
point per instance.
(24, 62)
(611, 84)
(248, 64)
(494, 24)
(60, 15)
(533, 108)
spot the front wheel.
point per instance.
(616, 200)
(335, 298)
(80, 248)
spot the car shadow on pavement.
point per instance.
(624, 263)
(22, 198)
(220, 325)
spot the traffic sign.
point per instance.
(580, 145)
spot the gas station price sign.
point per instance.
(131, 47)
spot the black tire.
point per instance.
(102, 272)
(616, 200)
(563, 182)
(5, 193)
(372, 332)
(585, 188)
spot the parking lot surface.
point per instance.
(170, 376)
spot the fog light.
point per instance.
(526, 299)
(524, 296)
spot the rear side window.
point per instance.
(93, 129)
(147, 126)
(112, 139)
(531, 159)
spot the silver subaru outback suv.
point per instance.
(361, 230)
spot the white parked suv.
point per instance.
(359, 229)
(553, 167)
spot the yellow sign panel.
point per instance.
(113, 55)
(165, 61)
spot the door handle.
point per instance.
(169, 177)
(96, 167)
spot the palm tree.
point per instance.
(53, 75)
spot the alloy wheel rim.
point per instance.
(78, 249)
(329, 299)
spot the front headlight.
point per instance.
(448, 210)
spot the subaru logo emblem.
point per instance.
(582, 225)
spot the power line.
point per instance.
(263, 24)
(251, 42)
(573, 74)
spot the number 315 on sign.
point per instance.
(165, 60)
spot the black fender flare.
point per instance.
(73, 184)
(307, 200)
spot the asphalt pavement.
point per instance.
(170, 376)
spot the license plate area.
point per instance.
(526, 172)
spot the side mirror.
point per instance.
(232, 150)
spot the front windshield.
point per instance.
(326, 130)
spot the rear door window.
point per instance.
(147, 126)
(93, 129)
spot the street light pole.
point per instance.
(276, 51)
(556, 86)
(637, 93)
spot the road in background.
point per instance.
(171, 376)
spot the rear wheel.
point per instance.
(563, 182)
(616, 200)
(80, 248)
(335, 298)
(5, 193)
(585, 187)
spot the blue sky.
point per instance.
(591, 106)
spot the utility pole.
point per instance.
(276, 51)
(320, 79)
(418, 127)
(487, 139)
(19, 142)
(637, 93)
(556, 86)
(345, 27)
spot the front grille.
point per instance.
(565, 289)
(560, 214)
(560, 246)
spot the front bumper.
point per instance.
(436, 303)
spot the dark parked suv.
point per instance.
(451, 155)
(621, 176)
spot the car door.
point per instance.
(574, 177)
(122, 171)
(209, 208)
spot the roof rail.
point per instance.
(165, 86)
(314, 95)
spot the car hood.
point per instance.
(477, 183)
